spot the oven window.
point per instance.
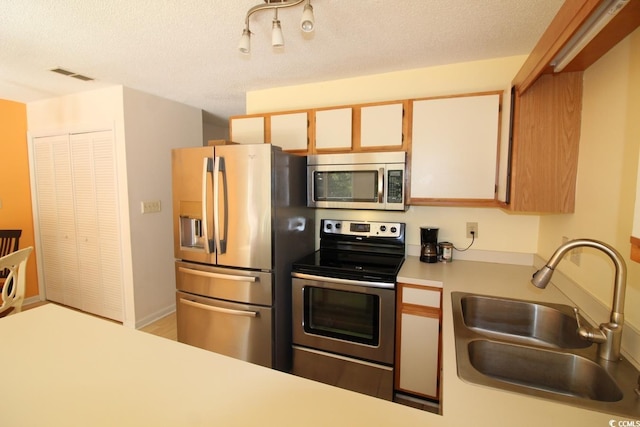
(350, 316)
(356, 186)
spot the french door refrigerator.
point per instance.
(240, 220)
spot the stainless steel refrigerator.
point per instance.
(240, 220)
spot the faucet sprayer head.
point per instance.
(542, 277)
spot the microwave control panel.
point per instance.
(395, 184)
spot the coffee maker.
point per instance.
(429, 244)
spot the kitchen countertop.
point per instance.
(65, 368)
(471, 404)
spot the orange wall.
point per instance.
(15, 190)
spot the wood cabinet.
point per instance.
(545, 140)
(248, 129)
(289, 131)
(455, 143)
(78, 221)
(418, 340)
(334, 129)
(352, 128)
(381, 127)
(545, 127)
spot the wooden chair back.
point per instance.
(9, 242)
(13, 288)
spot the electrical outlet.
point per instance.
(152, 206)
(472, 227)
(575, 256)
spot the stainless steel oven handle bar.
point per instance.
(217, 275)
(219, 309)
(363, 283)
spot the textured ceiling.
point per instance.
(186, 50)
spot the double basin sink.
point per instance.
(534, 348)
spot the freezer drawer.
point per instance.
(250, 287)
(241, 331)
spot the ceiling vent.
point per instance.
(72, 74)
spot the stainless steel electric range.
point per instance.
(344, 306)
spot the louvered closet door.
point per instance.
(78, 221)
(97, 225)
(56, 218)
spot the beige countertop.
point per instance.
(465, 404)
(65, 368)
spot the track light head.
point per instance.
(307, 22)
(277, 38)
(245, 42)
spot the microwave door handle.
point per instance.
(219, 168)
(381, 185)
(206, 169)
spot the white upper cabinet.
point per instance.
(381, 126)
(334, 129)
(454, 149)
(290, 131)
(247, 130)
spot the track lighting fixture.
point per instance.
(277, 38)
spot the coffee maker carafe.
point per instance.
(428, 244)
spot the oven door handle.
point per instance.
(219, 309)
(344, 281)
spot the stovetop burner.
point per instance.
(366, 251)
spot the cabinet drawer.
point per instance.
(425, 297)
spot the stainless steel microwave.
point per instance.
(357, 181)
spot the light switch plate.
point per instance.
(151, 206)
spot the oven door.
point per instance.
(344, 316)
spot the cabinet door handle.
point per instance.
(219, 309)
(211, 275)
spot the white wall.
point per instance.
(92, 110)
(153, 126)
(214, 131)
(498, 231)
(607, 177)
(146, 128)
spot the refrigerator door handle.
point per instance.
(206, 169)
(219, 168)
(219, 309)
(217, 275)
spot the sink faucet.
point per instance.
(609, 335)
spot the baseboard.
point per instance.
(141, 323)
(32, 300)
(592, 308)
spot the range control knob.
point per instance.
(338, 226)
(329, 226)
(394, 229)
(383, 228)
